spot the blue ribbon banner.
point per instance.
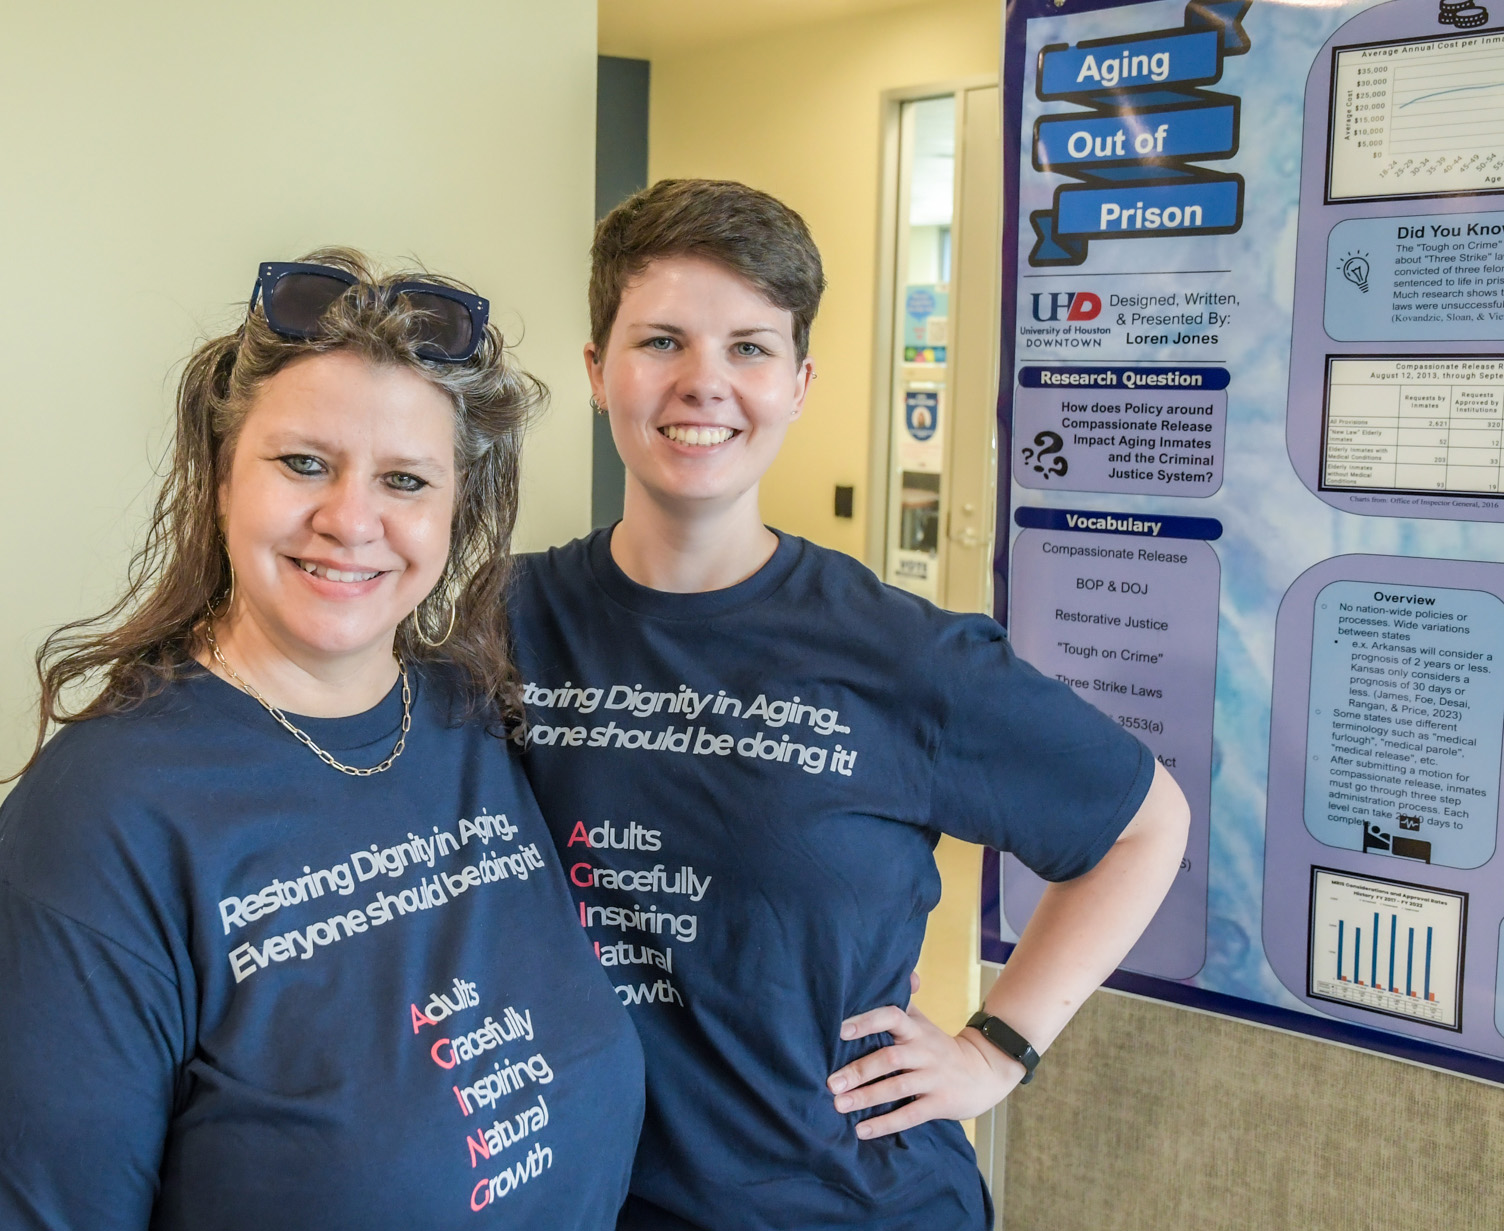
(1132, 150)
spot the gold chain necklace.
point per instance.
(302, 736)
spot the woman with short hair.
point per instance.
(747, 746)
(283, 940)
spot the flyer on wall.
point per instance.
(1252, 420)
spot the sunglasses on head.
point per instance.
(295, 295)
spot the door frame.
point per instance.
(885, 299)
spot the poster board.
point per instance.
(1252, 425)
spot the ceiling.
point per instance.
(647, 29)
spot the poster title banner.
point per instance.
(1148, 125)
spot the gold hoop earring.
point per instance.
(596, 406)
(230, 601)
(424, 637)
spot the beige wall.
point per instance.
(153, 153)
(796, 112)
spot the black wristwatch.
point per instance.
(1007, 1040)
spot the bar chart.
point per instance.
(1387, 946)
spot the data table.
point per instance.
(1414, 425)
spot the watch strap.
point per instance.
(1007, 1040)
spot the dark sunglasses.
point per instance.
(294, 296)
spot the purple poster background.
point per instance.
(1133, 630)
(1187, 995)
(1278, 270)
(1291, 850)
(1326, 286)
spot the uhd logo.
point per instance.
(1077, 305)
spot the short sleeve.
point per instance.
(1024, 764)
(89, 1039)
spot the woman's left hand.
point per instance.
(947, 1078)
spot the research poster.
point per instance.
(1252, 431)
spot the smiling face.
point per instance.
(701, 379)
(337, 507)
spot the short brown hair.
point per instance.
(754, 235)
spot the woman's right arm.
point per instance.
(90, 1033)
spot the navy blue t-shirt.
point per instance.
(241, 990)
(746, 787)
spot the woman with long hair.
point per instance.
(282, 936)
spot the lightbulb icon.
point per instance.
(1355, 270)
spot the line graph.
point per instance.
(1418, 119)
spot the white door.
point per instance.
(937, 403)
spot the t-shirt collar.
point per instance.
(662, 604)
(381, 722)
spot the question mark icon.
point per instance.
(1048, 443)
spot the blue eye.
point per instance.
(302, 464)
(749, 350)
(661, 343)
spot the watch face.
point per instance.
(1007, 1040)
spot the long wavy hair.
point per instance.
(148, 636)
